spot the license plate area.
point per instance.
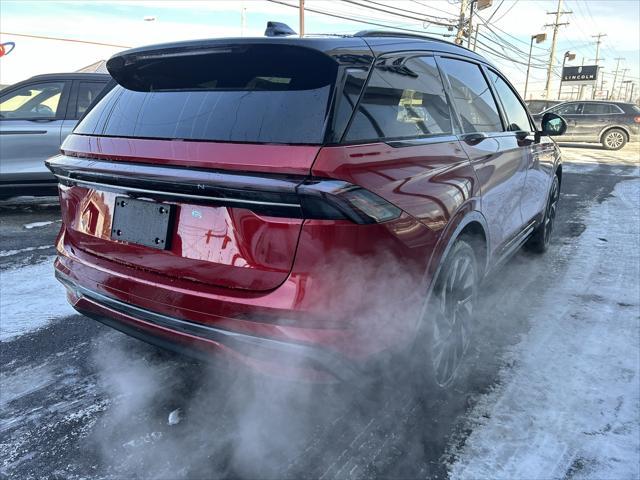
(142, 222)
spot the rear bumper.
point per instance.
(203, 341)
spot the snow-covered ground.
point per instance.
(30, 297)
(570, 408)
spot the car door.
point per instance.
(31, 117)
(539, 155)
(494, 152)
(83, 95)
(595, 117)
(571, 112)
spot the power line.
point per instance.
(343, 17)
(64, 40)
(451, 19)
(396, 14)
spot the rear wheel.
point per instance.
(614, 139)
(539, 241)
(448, 319)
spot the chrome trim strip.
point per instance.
(172, 194)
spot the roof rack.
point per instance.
(392, 33)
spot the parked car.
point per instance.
(302, 205)
(612, 124)
(36, 115)
(537, 106)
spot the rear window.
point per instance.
(256, 94)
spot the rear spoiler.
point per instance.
(184, 65)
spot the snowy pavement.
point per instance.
(570, 406)
(554, 394)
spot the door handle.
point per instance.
(474, 138)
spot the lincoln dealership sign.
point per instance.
(583, 75)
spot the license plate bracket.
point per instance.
(142, 222)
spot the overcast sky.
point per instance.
(122, 23)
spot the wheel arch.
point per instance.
(608, 128)
(470, 223)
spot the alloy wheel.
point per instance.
(614, 140)
(552, 209)
(454, 314)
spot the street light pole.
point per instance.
(301, 11)
(570, 56)
(540, 37)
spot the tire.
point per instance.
(447, 323)
(614, 139)
(541, 237)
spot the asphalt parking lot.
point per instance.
(80, 400)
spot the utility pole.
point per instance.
(601, 73)
(243, 20)
(624, 72)
(631, 95)
(464, 4)
(475, 37)
(554, 39)
(301, 10)
(615, 77)
(598, 42)
(470, 28)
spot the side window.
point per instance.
(353, 83)
(472, 97)
(402, 101)
(596, 109)
(517, 118)
(38, 100)
(566, 109)
(87, 93)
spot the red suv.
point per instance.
(302, 204)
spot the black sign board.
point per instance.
(582, 75)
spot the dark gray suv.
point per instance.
(612, 124)
(36, 115)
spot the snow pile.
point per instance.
(570, 408)
(30, 297)
(29, 226)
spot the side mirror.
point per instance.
(553, 124)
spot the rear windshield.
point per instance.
(259, 94)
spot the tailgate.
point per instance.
(228, 228)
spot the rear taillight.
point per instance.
(334, 199)
(272, 195)
(636, 119)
